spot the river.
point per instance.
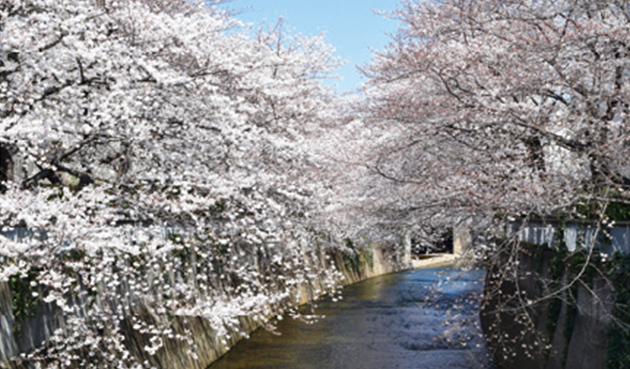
(424, 318)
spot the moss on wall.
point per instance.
(618, 349)
(580, 315)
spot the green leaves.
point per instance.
(618, 354)
(25, 296)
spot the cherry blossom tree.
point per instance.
(494, 111)
(160, 158)
(507, 107)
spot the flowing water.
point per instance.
(424, 318)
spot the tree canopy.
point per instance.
(162, 154)
(504, 107)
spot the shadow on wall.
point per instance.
(527, 326)
(6, 167)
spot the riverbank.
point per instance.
(203, 343)
(434, 261)
(378, 268)
(355, 267)
(422, 318)
(580, 327)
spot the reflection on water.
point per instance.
(425, 318)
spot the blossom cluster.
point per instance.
(162, 166)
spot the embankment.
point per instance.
(33, 333)
(560, 311)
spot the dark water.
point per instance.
(425, 318)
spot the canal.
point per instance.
(424, 318)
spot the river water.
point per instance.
(424, 318)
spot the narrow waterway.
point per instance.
(425, 318)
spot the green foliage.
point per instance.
(579, 261)
(358, 257)
(587, 209)
(617, 355)
(556, 270)
(560, 244)
(569, 323)
(74, 255)
(367, 255)
(576, 262)
(568, 266)
(553, 310)
(618, 349)
(564, 266)
(352, 259)
(57, 195)
(24, 302)
(618, 211)
(219, 207)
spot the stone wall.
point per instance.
(355, 265)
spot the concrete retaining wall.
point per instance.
(173, 355)
(521, 336)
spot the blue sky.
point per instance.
(350, 26)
